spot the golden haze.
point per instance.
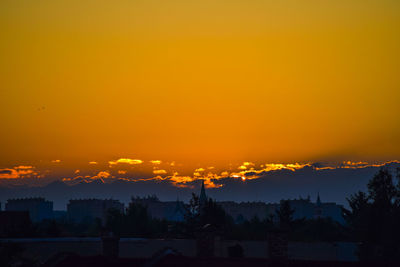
(199, 81)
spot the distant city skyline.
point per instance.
(334, 184)
(88, 209)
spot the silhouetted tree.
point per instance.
(209, 213)
(358, 217)
(192, 216)
(115, 221)
(382, 190)
(194, 205)
(136, 222)
(285, 214)
(213, 214)
(137, 219)
(374, 218)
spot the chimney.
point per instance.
(110, 244)
(205, 242)
(278, 245)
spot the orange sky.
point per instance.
(199, 82)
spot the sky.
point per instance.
(201, 83)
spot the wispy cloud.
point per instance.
(24, 170)
(351, 165)
(102, 174)
(87, 178)
(21, 171)
(155, 170)
(126, 161)
(159, 171)
(8, 174)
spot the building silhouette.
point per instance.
(86, 210)
(38, 208)
(179, 213)
(247, 210)
(303, 208)
(174, 211)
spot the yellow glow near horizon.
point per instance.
(200, 81)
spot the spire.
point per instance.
(203, 196)
(179, 213)
(318, 200)
(178, 205)
(318, 208)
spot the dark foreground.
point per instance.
(67, 260)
